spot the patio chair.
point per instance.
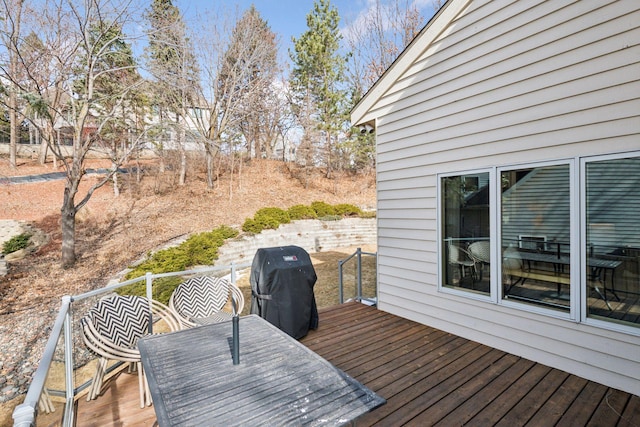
(461, 258)
(480, 252)
(512, 267)
(111, 330)
(204, 299)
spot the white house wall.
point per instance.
(507, 82)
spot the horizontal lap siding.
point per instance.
(508, 82)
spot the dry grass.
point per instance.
(112, 232)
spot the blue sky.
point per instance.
(288, 17)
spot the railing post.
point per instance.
(24, 415)
(233, 273)
(149, 282)
(340, 283)
(68, 363)
(359, 273)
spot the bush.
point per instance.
(346, 209)
(323, 209)
(367, 214)
(301, 212)
(162, 288)
(276, 213)
(266, 219)
(250, 226)
(199, 249)
(202, 248)
(16, 243)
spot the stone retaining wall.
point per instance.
(311, 235)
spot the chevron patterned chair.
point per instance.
(111, 330)
(204, 299)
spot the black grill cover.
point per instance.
(282, 281)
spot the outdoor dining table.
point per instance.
(598, 267)
(278, 381)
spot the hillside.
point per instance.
(112, 232)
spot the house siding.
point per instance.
(505, 83)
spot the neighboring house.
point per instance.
(514, 126)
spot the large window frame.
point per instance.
(442, 273)
(584, 248)
(578, 311)
(571, 312)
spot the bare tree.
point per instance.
(240, 69)
(253, 40)
(77, 42)
(377, 37)
(12, 13)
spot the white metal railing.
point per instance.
(359, 294)
(25, 414)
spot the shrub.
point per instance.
(16, 243)
(202, 248)
(199, 249)
(162, 288)
(301, 212)
(323, 209)
(265, 219)
(346, 209)
(250, 226)
(276, 213)
(367, 214)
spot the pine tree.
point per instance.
(250, 66)
(172, 63)
(317, 83)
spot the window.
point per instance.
(612, 199)
(567, 244)
(535, 235)
(465, 230)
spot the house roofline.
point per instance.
(361, 113)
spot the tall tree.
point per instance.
(240, 66)
(375, 40)
(318, 80)
(115, 70)
(252, 56)
(77, 41)
(12, 20)
(377, 37)
(172, 62)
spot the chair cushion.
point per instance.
(121, 319)
(201, 296)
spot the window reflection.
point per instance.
(613, 240)
(536, 223)
(465, 204)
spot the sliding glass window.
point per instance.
(465, 232)
(613, 240)
(535, 236)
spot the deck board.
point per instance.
(429, 377)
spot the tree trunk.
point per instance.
(13, 125)
(116, 188)
(183, 157)
(209, 159)
(44, 147)
(68, 219)
(329, 159)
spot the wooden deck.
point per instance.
(428, 377)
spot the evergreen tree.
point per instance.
(172, 63)
(318, 83)
(116, 92)
(248, 72)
